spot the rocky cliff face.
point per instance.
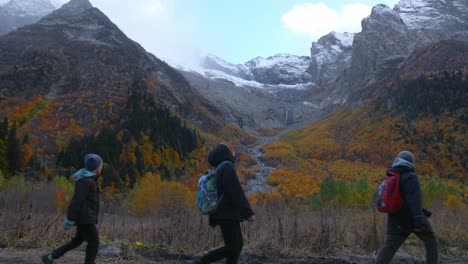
(329, 56)
(387, 38)
(383, 45)
(389, 35)
(18, 13)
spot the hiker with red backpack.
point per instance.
(226, 205)
(400, 196)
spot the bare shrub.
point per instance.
(27, 215)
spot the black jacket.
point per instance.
(84, 206)
(234, 204)
(411, 216)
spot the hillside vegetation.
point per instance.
(427, 116)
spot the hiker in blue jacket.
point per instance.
(83, 212)
(412, 218)
(232, 209)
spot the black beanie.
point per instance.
(92, 162)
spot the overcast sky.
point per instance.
(235, 30)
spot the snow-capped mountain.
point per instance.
(18, 13)
(279, 70)
(329, 56)
(341, 65)
(212, 62)
(261, 93)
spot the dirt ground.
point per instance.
(32, 256)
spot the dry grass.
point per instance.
(27, 217)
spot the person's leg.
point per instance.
(231, 248)
(91, 236)
(74, 243)
(390, 247)
(235, 245)
(432, 246)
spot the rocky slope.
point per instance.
(18, 13)
(445, 56)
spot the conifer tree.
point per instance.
(3, 155)
(13, 150)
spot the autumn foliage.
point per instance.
(357, 145)
(151, 194)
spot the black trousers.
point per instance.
(84, 233)
(233, 243)
(393, 243)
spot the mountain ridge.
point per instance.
(280, 69)
(82, 68)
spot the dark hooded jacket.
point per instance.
(411, 216)
(84, 206)
(234, 204)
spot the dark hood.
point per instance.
(219, 154)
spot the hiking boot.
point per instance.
(47, 259)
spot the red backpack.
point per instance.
(389, 198)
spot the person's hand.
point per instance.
(252, 219)
(67, 224)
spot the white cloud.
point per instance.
(157, 26)
(154, 24)
(58, 3)
(317, 19)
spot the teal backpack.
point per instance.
(208, 197)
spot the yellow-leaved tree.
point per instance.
(151, 194)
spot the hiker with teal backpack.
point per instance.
(83, 212)
(222, 198)
(400, 196)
